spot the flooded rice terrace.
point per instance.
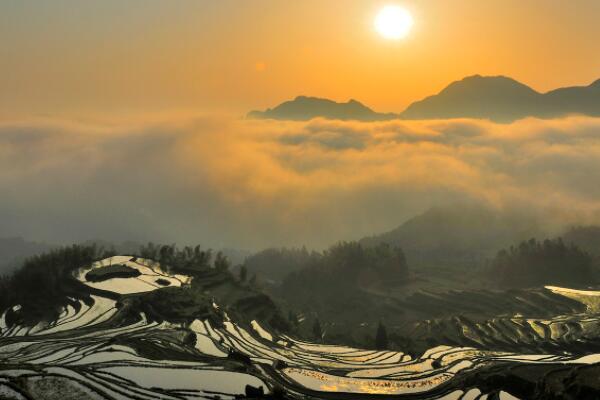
(95, 350)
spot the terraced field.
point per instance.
(99, 348)
(544, 320)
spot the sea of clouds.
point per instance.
(226, 181)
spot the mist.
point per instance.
(223, 181)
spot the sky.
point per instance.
(120, 120)
(71, 57)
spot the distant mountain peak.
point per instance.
(310, 98)
(478, 77)
(504, 99)
(488, 85)
(498, 98)
(304, 108)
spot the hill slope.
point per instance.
(461, 235)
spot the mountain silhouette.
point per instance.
(497, 98)
(574, 100)
(459, 234)
(304, 108)
(503, 99)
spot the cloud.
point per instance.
(229, 182)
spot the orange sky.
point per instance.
(68, 56)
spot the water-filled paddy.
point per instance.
(91, 347)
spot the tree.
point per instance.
(276, 264)
(41, 286)
(349, 257)
(381, 338)
(333, 276)
(534, 263)
(201, 258)
(252, 281)
(166, 256)
(174, 259)
(317, 331)
(149, 251)
(243, 273)
(221, 262)
(293, 318)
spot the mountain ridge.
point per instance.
(497, 98)
(304, 108)
(460, 234)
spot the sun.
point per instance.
(393, 22)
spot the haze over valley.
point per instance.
(299, 200)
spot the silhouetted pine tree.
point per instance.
(243, 273)
(292, 318)
(317, 331)
(252, 281)
(221, 262)
(381, 338)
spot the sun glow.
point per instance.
(393, 22)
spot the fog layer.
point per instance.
(230, 182)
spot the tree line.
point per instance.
(538, 263)
(39, 285)
(43, 282)
(187, 258)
